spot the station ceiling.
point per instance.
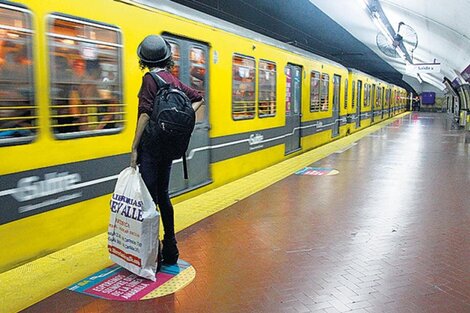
(441, 30)
(345, 31)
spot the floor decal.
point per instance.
(117, 283)
(317, 171)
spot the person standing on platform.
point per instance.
(155, 55)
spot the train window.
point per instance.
(387, 97)
(266, 89)
(324, 91)
(18, 117)
(197, 71)
(197, 76)
(385, 102)
(315, 92)
(373, 94)
(243, 88)
(176, 55)
(360, 98)
(346, 93)
(86, 80)
(367, 95)
(378, 99)
(353, 94)
(382, 97)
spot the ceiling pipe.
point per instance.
(419, 78)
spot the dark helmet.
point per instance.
(154, 49)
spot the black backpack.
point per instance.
(172, 121)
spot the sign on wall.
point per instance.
(420, 68)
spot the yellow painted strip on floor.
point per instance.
(30, 283)
(176, 283)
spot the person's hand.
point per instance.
(133, 159)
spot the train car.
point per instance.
(372, 101)
(324, 104)
(361, 112)
(383, 100)
(69, 79)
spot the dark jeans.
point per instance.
(156, 175)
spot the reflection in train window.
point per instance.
(315, 92)
(324, 91)
(366, 95)
(346, 93)
(353, 94)
(379, 97)
(373, 94)
(176, 56)
(197, 71)
(387, 97)
(360, 97)
(266, 89)
(86, 83)
(18, 117)
(197, 76)
(243, 89)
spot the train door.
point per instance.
(388, 102)
(372, 103)
(191, 67)
(359, 103)
(293, 105)
(336, 96)
(383, 100)
(378, 101)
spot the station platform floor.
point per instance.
(388, 232)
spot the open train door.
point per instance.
(191, 67)
(293, 101)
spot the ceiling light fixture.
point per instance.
(381, 26)
(364, 4)
(380, 20)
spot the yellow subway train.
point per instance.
(69, 79)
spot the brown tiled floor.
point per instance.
(390, 233)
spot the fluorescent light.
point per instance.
(381, 26)
(364, 4)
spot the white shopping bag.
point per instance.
(133, 226)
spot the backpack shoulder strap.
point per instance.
(158, 80)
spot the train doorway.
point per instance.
(293, 101)
(191, 67)
(336, 96)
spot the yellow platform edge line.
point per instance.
(30, 283)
